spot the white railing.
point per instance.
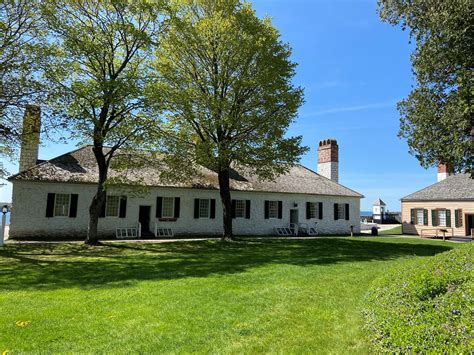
(163, 232)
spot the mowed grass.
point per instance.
(392, 231)
(251, 296)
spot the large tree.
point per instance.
(437, 118)
(97, 76)
(226, 80)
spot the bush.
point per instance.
(424, 306)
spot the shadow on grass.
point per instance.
(53, 266)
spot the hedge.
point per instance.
(424, 306)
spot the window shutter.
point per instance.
(247, 209)
(267, 209)
(123, 207)
(213, 209)
(320, 210)
(425, 217)
(233, 208)
(308, 210)
(159, 207)
(196, 208)
(73, 207)
(280, 209)
(102, 210)
(335, 212)
(434, 218)
(448, 218)
(458, 218)
(412, 213)
(177, 206)
(347, 211)
(50, 205)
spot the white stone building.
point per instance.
(51, 199)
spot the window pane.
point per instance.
(61, 205)
(112, 206)
(239, 208)
(204, 208)
(313, 210)
(442, 218)
(273, 209)
(341, 211)
(168, 207)
(419, 217)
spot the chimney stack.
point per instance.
(444, 171)
(30, 137)
(328, 159)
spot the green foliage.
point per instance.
(424, 306)
(224, 77)
(437, 118)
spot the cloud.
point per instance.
(371, 106)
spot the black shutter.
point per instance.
(412, 213)
(213, 209)
(247, 209)
(448, 218)
(196, 208)
(434, 218)
(123, 207)
(267, 209)
(280, 209)
(73, 207)
(102, 210)
(50, 205)
(347, 211)
(320, 210)
(233, 208)
(458, 218)
(308, 210)
(336, 217)
(177, 207)
(159, 207)
(425, 217)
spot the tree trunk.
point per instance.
(224, 190)
(99, 199)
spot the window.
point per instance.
(442, 218)
(112, 206)
(204, 208)
(419, 217)
(61, 205)
(272, 209)
(341, 211)
(168, 207)
(239, 208)
(313, 210)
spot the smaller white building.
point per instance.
(378, 211)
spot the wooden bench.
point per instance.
(437, 232)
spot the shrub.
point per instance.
(424, 306)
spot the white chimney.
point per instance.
(328, 159)
(443, 171)
(30, 137)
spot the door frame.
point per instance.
(466, 219)
(149, 217)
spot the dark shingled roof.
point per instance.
(453, 188)
(79, 166)
(379, 202)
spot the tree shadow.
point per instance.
(53, 266)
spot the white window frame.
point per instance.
(419, 212)
(341, 211)
(442, 222)
(107, 199)
(273, 209)
(313, 210)
(240, 210)
(64, 213)
(203, 208)
(163, 214)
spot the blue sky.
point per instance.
(354, 69)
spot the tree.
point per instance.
(97, 76)
(226, 81)
(19, 33)
(437, 118)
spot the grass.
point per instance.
(298, 296)
(392, 231)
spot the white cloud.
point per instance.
(376, 105)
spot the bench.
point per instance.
(437, 231)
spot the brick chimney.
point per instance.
(328, 159)
(30, 137)
(443, 171)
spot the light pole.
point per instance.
(4, 220)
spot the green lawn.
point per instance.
(393, 231)
(298, 296)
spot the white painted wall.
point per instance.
(29, 210)
(329, 170)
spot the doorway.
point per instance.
(469, 224)
(144, 219)
(294, 220)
